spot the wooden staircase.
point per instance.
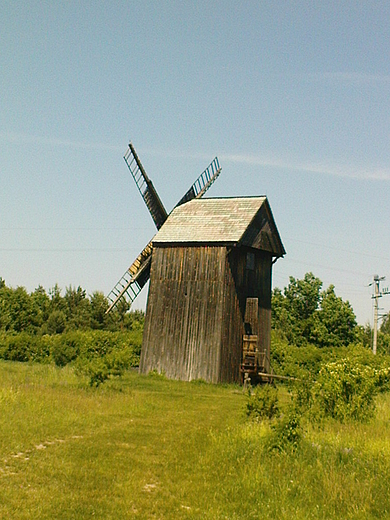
(255, 364)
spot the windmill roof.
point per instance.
(222, 220)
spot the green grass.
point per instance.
(144, 447)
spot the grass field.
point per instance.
(144, 447)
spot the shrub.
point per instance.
(42, 349)
(100, 368)
(286, 433)
(293, 361)
(382, 380)
(25, 347)
(66, 348)
(99, 343)
(89, 345)
(17, 347)
(95, 369)
(302, 397)
(345, 389)
(56, 322)
(262, 402)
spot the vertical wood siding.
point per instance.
(182, 334)
(232, 329)
(195, 313)
(248, 283)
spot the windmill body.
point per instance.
(208, 312)
(210, 288)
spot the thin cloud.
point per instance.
(378, 174)
(375, 173)
(349, 77)
(50, 141)
(175, 154)
(18, 138)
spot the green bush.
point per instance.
(345, 389)
(17, 347)
(301, 395)
(95, 369)
(382, 380)
(100, 368)
(100, 343)
(306, 362)
(66, 348)
(290, 360)
(97, 354)
(262, 402)
(286, 433)
(24, 347)
(90, 345)
(42, 349)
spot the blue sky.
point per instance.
(292, 96)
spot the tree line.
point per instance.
(52, 312)
(303, 313)
(306, 314)
(311, 326)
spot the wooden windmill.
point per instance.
(208, 312)
(137, 275)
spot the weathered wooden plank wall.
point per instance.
(254, 283)
(182, 334)
(196, 306)
(232, 329)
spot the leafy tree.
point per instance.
(335, 321)
(280, 316)
(303, 296)
(364, 335)
(56, 323)
(99, 305)
(385, 326)
(294, 310)
(41, 304)
(305, 314)
(77, 308)
(52, 313)
(134, 320)
(5, 315)
(18, 312)
(56, 300)
(118, 315)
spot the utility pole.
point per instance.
(377, 294)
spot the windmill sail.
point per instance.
(131, 283)
(145, 186)
(202, 183)
(137, 275)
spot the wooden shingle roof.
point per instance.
(240, 220)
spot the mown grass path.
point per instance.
(144, 447)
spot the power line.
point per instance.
(71, 228)
(142, 228)
(358, 253)
(328, 268)
(63, 250)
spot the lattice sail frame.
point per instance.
(137, 275)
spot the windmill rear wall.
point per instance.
(242, 283)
